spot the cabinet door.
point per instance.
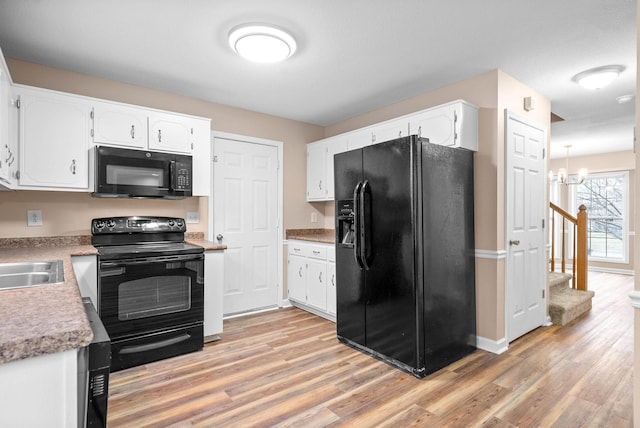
(171, 133)
(334, 146)
(54, 140)
(296, 274)
(360, 138)
(331, 288)
(317, 284)
(316, 171)
(6, 155)
(119, 125)
(390, 131)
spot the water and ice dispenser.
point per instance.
(346, 223)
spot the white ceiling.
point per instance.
(353, 56)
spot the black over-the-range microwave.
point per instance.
(128, 173)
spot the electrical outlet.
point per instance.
(314, 217)
(34, 218)
(193, 217)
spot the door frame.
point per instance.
(508, 115)
(279, 145)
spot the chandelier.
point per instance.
(563, 173)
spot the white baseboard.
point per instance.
(493, 346)
(612, 270)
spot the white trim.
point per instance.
(279, 145)
(612, 270)
(635, 299)
(491, 254)
(493, 346)
(548, 323)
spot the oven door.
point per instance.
(139, 296)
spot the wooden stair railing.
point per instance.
(579, 264)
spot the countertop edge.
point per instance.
(23, 333)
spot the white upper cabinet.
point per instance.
(54, 136)
(169, 132)
(316, 171)
(454, 124)
(389, 130)
(8, 150)
(320, 167)
(359, 139)
(119, 125)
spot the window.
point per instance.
(605, 196)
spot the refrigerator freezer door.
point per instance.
(350, 295)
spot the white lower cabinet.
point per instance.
(213, 277)
(331, 281)
(311, 278)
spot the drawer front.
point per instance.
(315, 252)
(298, 249)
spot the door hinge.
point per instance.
(543, 223)
(215, 158)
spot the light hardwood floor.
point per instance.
(286, 368)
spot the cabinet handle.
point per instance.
(133, 132)
(320, 277)
(333, 280)
(300, 272)
(420, 131)
(73, 166)
(159, 136)
(320, 185)
(399, 133)
(373, 137)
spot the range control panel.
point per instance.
(108, 225)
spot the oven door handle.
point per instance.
(155, 345)
(159, 259)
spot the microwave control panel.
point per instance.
(183, 176)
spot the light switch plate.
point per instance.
(193, 217)
(34, 218)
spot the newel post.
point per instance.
(581, 256)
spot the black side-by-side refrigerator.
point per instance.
(405, 264)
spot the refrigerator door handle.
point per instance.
(365, 224)
(356, 237)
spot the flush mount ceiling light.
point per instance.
(262, 43)
(599, 77)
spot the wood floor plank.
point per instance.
(285, 368)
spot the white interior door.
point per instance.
(245, 218)
(526, 209)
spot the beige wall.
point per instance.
(492, 92)
(604, 162)
(67, 213)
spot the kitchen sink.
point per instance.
(29, 274)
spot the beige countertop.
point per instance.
(324, 236)
(43, 319)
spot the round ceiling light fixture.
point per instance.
(262, 43)
(599, 77)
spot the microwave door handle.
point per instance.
(172, 175)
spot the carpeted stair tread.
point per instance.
(559, 279)
(567, 304)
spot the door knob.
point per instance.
(219, 237)
(514, 242)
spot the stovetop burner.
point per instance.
(126, 237)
